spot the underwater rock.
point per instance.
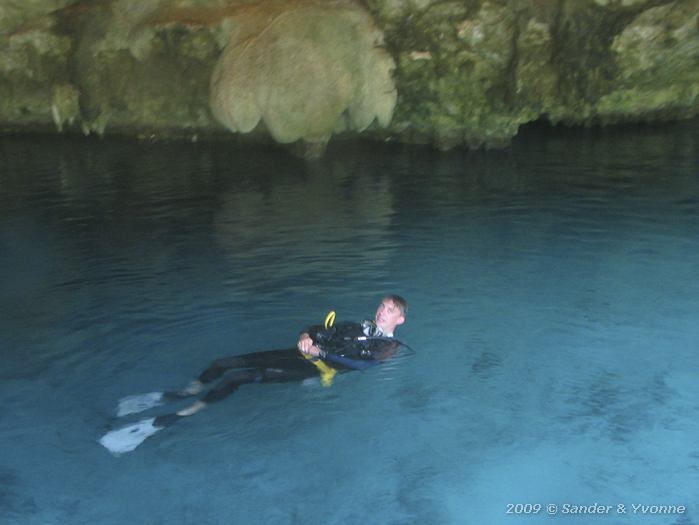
(14, 503)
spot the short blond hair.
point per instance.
(399, 301)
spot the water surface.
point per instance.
(554, 297)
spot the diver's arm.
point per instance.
(387, 352)
(368, 360)
(355, 364)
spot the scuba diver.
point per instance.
(321, 352)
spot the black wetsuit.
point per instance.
(345, 346)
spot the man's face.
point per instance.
(388, 316)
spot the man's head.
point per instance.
(391, 313)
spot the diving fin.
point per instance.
(138, 403)
(127, 438)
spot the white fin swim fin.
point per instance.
(127, 438)
(138, 403)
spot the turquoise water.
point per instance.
(554, 298)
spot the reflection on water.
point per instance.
(322, 229)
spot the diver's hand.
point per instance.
(306, 345)
(305, 342)
(313, 350)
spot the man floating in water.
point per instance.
(321, 351)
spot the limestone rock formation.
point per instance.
(306, 70)
(657, 55)
(466, 72)
(16, 13)
(34, 86)
(473, 72)
(142, 67)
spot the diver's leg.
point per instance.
(251, 360)
(288, 359)
(231, 383)
(215, 370)
(263, 359)
(225, 388)
(128, 438)
(276, 366)
(223, 365)
(141, 402)
(220, 367)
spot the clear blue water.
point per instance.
(554, 299)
